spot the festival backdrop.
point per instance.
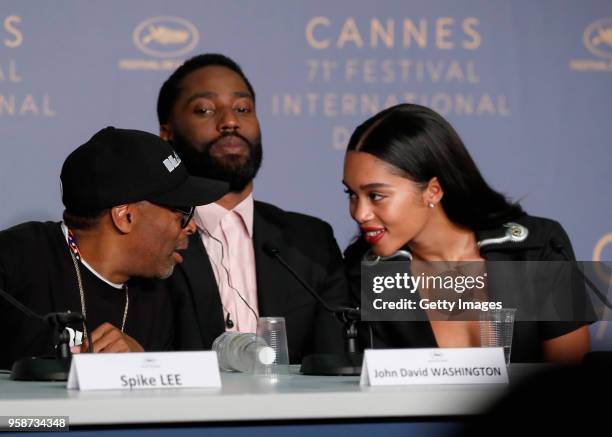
(527, 84)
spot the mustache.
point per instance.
(210, 144)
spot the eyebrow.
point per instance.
(371, 186)
(211, 94)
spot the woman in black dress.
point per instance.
(412, 185)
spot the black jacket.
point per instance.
(307, 244)
(37, 270)
(527, 337)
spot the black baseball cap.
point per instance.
(119, 166)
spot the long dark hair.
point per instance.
(421, 145)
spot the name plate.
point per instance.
(434, 366)
(147, 370)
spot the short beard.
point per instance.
(237, 171)
(166, 274)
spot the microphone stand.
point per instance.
(46, 368)
(347, 364)
(591, 358)
(327, 364)
(50, 368)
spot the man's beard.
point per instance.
(236, 170)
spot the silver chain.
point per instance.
(82, 294)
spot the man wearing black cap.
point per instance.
(129, 202)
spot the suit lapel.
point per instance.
(203, 287)
(270, 296)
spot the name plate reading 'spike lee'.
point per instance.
(434, 366)
(151, 370)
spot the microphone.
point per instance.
(57, 320)
(344, 313)
(54, 320)
(559, 247)
(42, 368)
(327, 364)
(591, 358)
(21, 307)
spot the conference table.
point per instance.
(321, 405)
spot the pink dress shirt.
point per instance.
(228, 238)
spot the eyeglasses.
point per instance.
(186, 212)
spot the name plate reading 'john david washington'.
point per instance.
(138, 371)
(434, 366)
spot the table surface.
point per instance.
(246, 398)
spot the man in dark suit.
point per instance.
(206, 109)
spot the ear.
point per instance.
(123, 217)
(165, 132)
(433, 193)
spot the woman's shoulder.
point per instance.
(541, 228)
(536, 222)
(527, 229)
(537, 237)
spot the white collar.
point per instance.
(90, 268)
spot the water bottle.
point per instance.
(241, 352)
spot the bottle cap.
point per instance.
(266, 355)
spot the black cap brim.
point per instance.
(194, 191)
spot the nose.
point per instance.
(227, 121)
(361, 211)
(191, 227)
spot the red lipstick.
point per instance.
(373, 234)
